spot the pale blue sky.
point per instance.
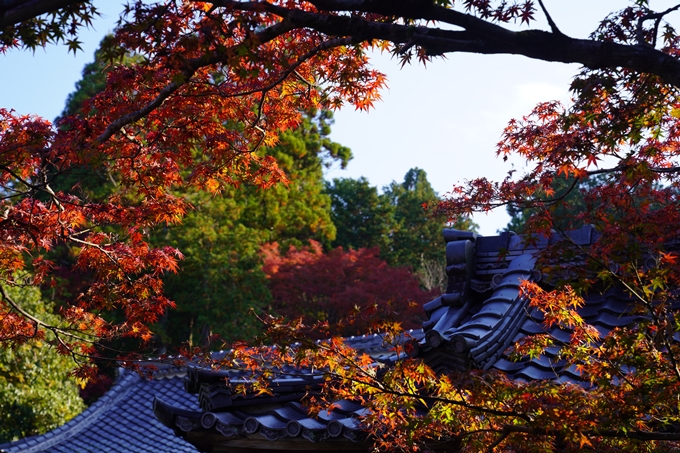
(445, 119)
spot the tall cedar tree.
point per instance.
(220, 280)
(362, 218)
(227, 77)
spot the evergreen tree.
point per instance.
(401, 222)
(417, 240)
(417, 235)
(362, 218)
(220, 280)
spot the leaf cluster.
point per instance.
(349, 290)
(35, 25)
(37, 393)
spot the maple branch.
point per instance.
(650, 310)
(552, 201)
(429, 398)
(124, 120)
(479, 36)
(646, 303)
(662, 170)
(38, 323)
(192, 66)
(106, 253)
(504, 434)
(548, 201)
(291, 70)
(13, 12)
(15, 175)
(379, 385)
(372, 381)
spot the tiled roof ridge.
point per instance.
(168, 368)
(339, 424)
(214, 387)
(490, 347)
(125, 382)
(482, 311)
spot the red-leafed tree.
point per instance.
(209, 79)
(353, 291)
(217, 79)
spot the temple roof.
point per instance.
(121, 421)
(471, 326)
(482, 314)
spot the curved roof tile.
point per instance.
(122, 421)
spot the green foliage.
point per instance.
(361, 216)
(36, 392)
(221, 280)
(300, 210)
(400, 222)
(417, 236)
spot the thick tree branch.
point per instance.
(13, 12)
(478, 36)
(124, 120)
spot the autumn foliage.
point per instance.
(206, 83)
(622, 128)
(353, 291)
(217, 80)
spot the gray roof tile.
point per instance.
(121, 421)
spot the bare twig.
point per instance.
(551, 22)
(639, 31)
